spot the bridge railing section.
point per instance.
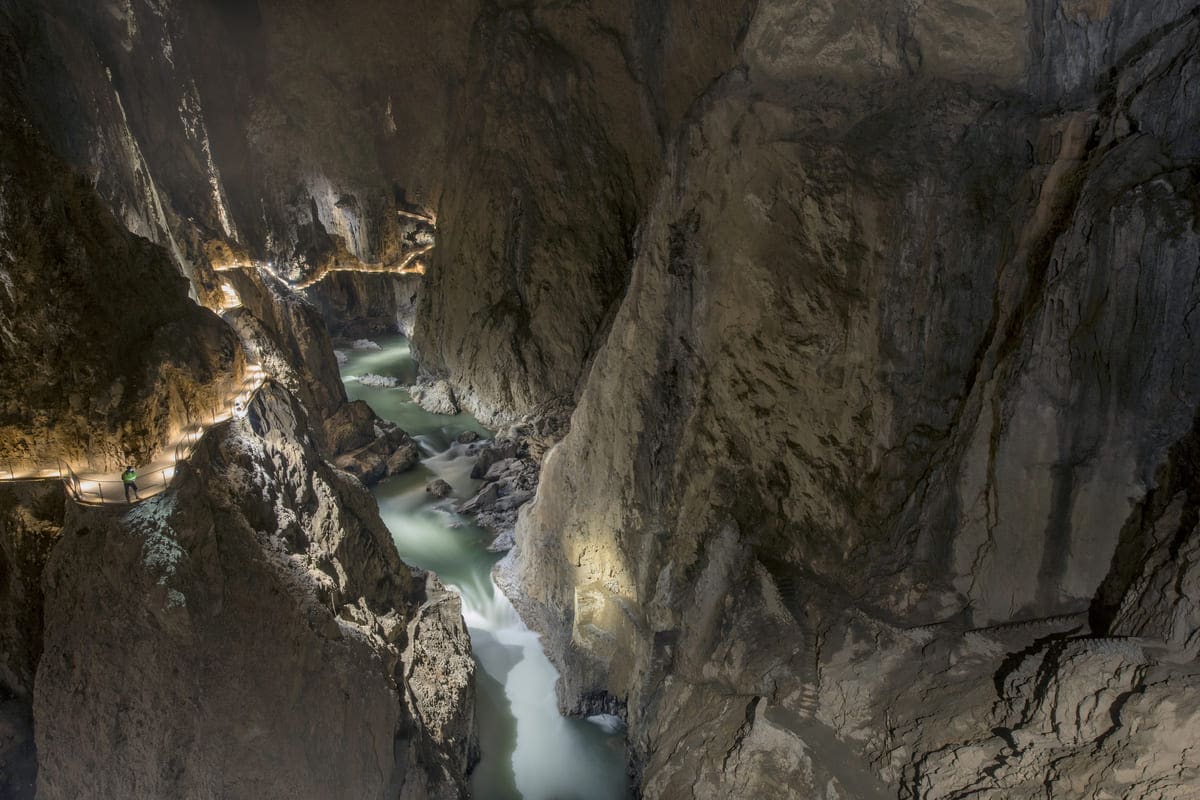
(107, 491)
(93, 490)
(17, 469)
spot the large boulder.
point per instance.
(435, 396)
(510, 479)
(373, 448)
(439, 488)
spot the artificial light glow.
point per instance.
(154, 478)
(229, 297)
(427, 217)
(409, 266)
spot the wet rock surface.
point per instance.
(435, 396)
(439, 488)
(509, 484)
(509, 467)
(371, 448)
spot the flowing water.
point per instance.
(528, 750)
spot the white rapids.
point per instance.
(528, 749)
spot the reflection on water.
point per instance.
(528, 749)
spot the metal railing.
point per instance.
(106, 491)
(20, 470)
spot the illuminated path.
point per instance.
(106, 488)
(405, 267)
(409, 265)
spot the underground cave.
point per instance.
(600, 400)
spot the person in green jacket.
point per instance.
(129, 478)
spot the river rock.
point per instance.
(504, 541)
(467, 437)
(509, 484)
(378, 381)
(407, 456)
(439, 488)
(486, 498)
(499, 469)
(374, 448)
(435, 396)
(492, 452)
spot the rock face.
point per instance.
(179, 634)
(210, 131)
(356, 304)
(880, 316)
(435, 396)
(563, 117)
(31, 518)
(103, 357)
(246, 634)
(905, 356)
(439, 672)
(372, 449)
(213, 133)
(295, 349)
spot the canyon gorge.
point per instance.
(745, 399)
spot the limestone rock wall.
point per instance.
(103, 356)
(905, 345)
(558, 136)
(224, 132)
(289, 337)
(179, 635)
(879, 314)
(31, 518)
(213, 131)
(358, 305)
